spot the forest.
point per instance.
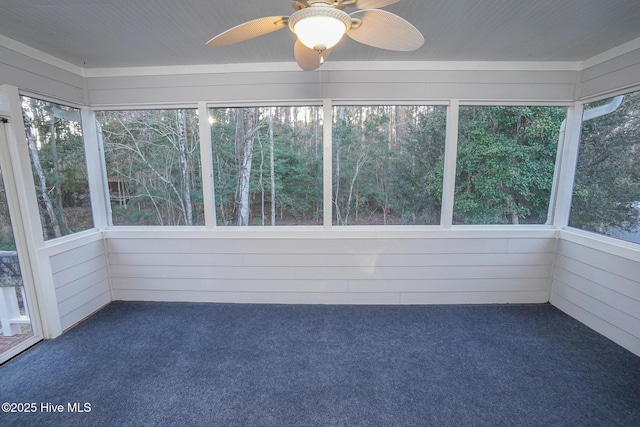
(387, 162)
(606, 194)
(56, 150)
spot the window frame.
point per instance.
(327, 104)
(89, 145)
(108, 214)
(567, 180)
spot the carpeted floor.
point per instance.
(182, 364)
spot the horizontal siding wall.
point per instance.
(547, 85)
(332, 270)
(81, 279)
(598, 283)
(38, 77)
(616, 73)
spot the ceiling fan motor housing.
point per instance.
(303, 4)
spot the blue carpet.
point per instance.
(181, 364)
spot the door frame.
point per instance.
(20, 237)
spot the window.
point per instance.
(505, 162)
(153, 166)
(606, 191)
(267, 165)
(388, 164)
(56, 149)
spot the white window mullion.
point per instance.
(450, 155)
(96, 173)
(206, 159)
(327, 164)
(568, 163)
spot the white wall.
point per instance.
(46, 76)
(482, 81)
(597, 281)
(80, 276)
(70, 279)
(337, 267)
(614, 70)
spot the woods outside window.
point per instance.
(267, 165)
(56, 151)
(387, 164)
(153, 166)
(606, 191)
(505, 163)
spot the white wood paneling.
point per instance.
(336, 270)
(535, 85)
(81, 278)
(612, 75)
(598, 283)
(39, 77)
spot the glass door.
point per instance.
(16, 331)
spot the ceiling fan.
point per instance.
(320, 25)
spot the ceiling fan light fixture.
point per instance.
(320, 28)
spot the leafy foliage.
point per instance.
(387, 164)
(606, 193)
(153, 166)
(505, 163)
(7, 241)
(56, 148)
(290, 192)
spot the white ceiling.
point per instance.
(128, 33)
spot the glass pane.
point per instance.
(153, 166)
(606, 192)
(15, 323)
(505, 163)
(56, 148)
(388, 164)
(267, 165)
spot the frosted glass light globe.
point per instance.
(320, 28)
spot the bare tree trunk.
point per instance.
(287, 117)
(57, 182)
(398, 128)
(272, 168)
(515, 219)
(35, 158)
(185, 164)
(244, 140)
(223, 213)
(359, 163)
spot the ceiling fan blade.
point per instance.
(300, 4)
(309, 59)
(374, 4)
(249, 30)
(385, 30)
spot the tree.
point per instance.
(272, 167)
(153, 166)
(56, 149)
(418, 173)
(385, 161)
(606, 194)
(243, 139)
(246, 128)
(7, 241)
(505, 163)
